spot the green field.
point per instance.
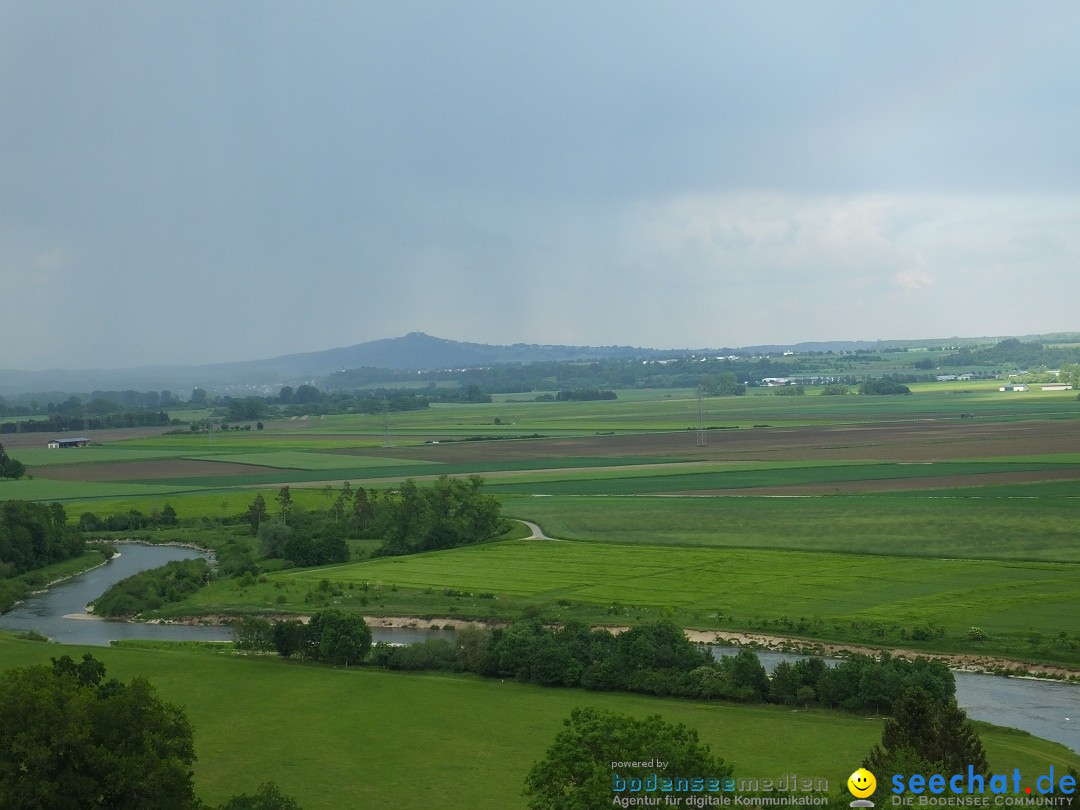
(891, 525)
(942, 499)
(86, 492)
(825, 596)
(366, 738)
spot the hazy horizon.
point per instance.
(194, 184)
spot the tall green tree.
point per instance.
(9, 467)
(930, 734)
(576, 772)
(256, 513)
(338, 638)
(284, 499)
(71, 739)
(33, 535)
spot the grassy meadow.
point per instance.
(367, 738)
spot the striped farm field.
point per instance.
(302, 460)
(42, 489)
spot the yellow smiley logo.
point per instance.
(861, 783)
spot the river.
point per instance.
(1046, 709)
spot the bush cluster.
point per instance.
(656, 658)
(153, 589)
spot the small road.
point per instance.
(537, 532)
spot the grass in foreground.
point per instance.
(363, 738)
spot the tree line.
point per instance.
(56, 422)
(653, 658)
(450, 512)
(32, 536)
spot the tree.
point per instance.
(934, 735)
(338, 638)
(273, 537)
(284, 499)
(576, 772)
(168, 516)
(255, 513)
(9, 467)
(289, 637)
(344, 499)
(306, 394)
(33, 535)
(69, 738)
(253, 633)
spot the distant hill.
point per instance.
(412, 352)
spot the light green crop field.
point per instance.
(720, 588)
(733, 476)
(1014, 528)
(357, 737)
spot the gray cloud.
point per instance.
(193, 183)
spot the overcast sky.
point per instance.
(201, 181)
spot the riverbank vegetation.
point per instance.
(33, 537)
(656, 658)
(153, 589)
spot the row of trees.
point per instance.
(654, 658)
(883, 386)
(128, 521)
(57, 423)
(331, 636)
(33, 535)
(449, 513)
